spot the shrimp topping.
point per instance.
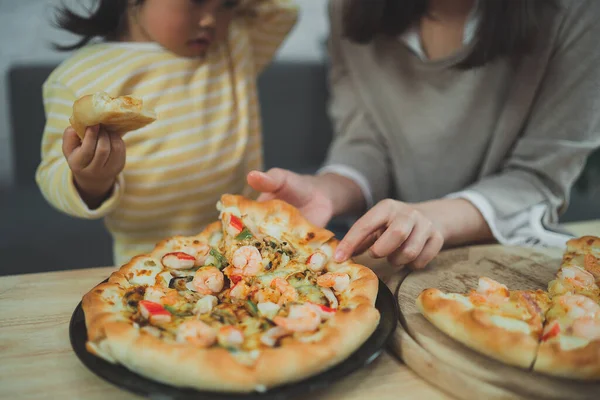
(587, 328)
(317, 260)
(197, 333)
(230, 336)
(577, 277)
(161, 295)
(578, 306)
(288, 292)
(302, 318)
(247, 261)
(270, 337)
(489, 290)
(207, 280)
(240, 291)
(336, 280)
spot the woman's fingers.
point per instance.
(430, 251)
(403, 246)
(376, 218)
(282, 184)
(367, 243)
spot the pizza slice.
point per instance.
(570, 345)
(502, 324)
(580, 269)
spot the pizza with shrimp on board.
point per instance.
(252, 302)
(555, 332)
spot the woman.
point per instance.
(460, 120)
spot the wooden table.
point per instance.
(36, 359)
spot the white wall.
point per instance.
(26, 34)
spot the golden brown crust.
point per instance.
(116, 339)
(120, 115)
(216, 369)
(474, 329)
(584, 245)
(580, 363)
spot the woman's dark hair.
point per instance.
(108, 21)
(508, 27)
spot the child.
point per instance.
(195, 62)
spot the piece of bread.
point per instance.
(120, 115)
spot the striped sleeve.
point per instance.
(53, 176)
(269, 24)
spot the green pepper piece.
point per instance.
(219, 259)
(252, 308)
(244, 234)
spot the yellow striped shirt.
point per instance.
(207, 136)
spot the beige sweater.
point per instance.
(511, 139)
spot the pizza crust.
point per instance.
(579, 363)
(215, 369)
(119, 115)
(474, 328)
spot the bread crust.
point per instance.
(119, 115)
(115, 338)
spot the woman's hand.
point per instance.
(301, 191)
(319, 198)
(95, 162)
(395, 230)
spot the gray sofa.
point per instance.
(34, 237)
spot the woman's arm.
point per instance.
(533, 187)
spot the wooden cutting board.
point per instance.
(452, 366)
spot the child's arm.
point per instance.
(79, 196)
(269, 23)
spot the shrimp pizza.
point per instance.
(556, 332)
(252, 302)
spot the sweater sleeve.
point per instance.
(53, 176)
(358, 151)
(269, 23)
(533, 187)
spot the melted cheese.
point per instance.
(572, 342)
(510, 324)
(268, 309)
(457, 297)
(273, 230)
(145, 272)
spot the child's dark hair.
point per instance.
(507, 28)
(108, 21)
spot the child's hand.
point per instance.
(395, 230)
(95, 162)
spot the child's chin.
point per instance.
(190, 53)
